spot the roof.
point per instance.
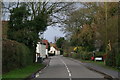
(54, 45)
(46, 43)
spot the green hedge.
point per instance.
(15, 55)
(99, 53)
(118, 60)
(113, 58)
(86, 55)
(65, 54)
(76, 55)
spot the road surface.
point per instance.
(67, 69)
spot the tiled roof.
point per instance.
(54, 45)
(45, 42)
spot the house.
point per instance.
(54, 50)
(42, 50)
(46, 43)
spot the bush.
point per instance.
(118, 60)
(15, 55)
(110, 59)
(118, 54)
(61, 51)
(86, 55)
(113, 58)
(99, 53)
(76, 55)
(65, 54)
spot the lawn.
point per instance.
(21, 73)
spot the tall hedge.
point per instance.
(15, 55)
(113, 58)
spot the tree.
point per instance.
(60, 42)
(19, 26)
(27, 20)
(79, 26)
(32, 18)
(102, 22)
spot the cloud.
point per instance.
(51, 32)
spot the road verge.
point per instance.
(34, 75)
(106, 75)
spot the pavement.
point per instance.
(108, 72)
(62, 68)
(112, 73)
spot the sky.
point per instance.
(51, 32)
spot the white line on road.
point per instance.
(67, 69)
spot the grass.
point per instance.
(23, 72)
(100, 63)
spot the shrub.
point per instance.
(65, 54)
(118, 60)
(15, 55)
(118, 55)
(86, 55)
(99, 53)
(110, 59)
(113, 58)
(76, 55)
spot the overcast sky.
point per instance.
(51, 32)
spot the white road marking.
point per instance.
(67, 69)
(37, 75)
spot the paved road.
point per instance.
(61, 67)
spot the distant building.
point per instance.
(54, 50)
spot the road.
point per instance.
(67, 69)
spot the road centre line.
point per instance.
(67, 69)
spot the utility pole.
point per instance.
(106, 28)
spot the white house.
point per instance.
(54, 50)
(42, 50)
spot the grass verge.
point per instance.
(100, 63)
(22, 73)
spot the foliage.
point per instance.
(60, 42)
(65, 54)
(86, 55)
(15, 55)
(87, 37)
(76, 55)
(95, 22)
(113, 56)
(110, 60)
(20, 28)
(99, 53)
(27, 20)
(61, 51)
(118, 60)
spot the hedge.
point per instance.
(15, 55)
(76, 55)
(65, 54)
(86, 55)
